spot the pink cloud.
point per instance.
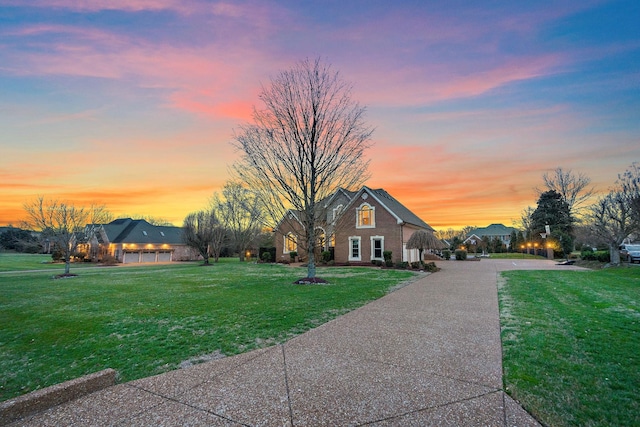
(426, 84)
(94, 6)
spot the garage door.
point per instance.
(130, 257)
(164, 256)
(148, 257)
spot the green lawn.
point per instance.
(145, 320)
(571, 345)
(11, 262)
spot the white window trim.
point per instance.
(285, 241)
(351, 257)
(381, 238)
(373, 216)
(336, 212)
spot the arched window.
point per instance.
(365, 216)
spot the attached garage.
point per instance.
(139, 242)
(164, 256)
(130, 257)
(148, 257)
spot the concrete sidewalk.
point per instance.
(426, 354)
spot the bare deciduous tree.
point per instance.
(616, 216)
(574, 188)
(306, 142)
(61, 223)
(525, 222)
(629, 183)
(240, 211)
(203, 232)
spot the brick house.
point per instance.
(137, 241)
(356, 226)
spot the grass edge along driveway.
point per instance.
(571, 344)
(147, 320)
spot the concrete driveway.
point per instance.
(426, 354)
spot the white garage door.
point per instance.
(148, 257)
(130, 257)
(164, 256)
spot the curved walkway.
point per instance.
(426, 354)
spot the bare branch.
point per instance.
(307, 141)
(60, 222)
(574, 188)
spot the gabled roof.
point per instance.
(290, 215)
(400, 212)
(139, 231)
(321, 207)
(394, 207)
(326, 202)
(492, 230)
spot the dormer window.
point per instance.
(365, 216)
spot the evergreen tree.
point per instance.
(553, 211)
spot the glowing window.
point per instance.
(290, 243)
(366, 217)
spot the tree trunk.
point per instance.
(311, 265)
(614, 254)
(67, 265)
(311, 246)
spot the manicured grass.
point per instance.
(148, 319)
(571, 345)
(11, 262)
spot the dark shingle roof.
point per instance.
(492, 230)
(127, 230)
(393, 206)
(397, 208)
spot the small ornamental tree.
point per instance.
(422, 240)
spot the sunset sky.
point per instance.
(133, 103)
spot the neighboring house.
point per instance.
(137, 241)
(491, 232)
(356, 226)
